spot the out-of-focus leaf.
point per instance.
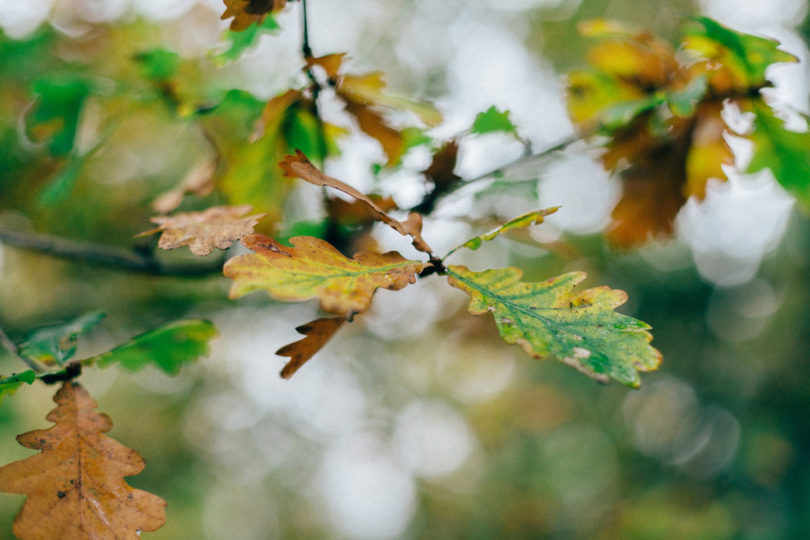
(368, 89)
(9, 385)
(199, 181)
(248, 12)
(535, 217)
(357, 212)
(317, 333)
(57, 344)
(746, 57)
(159, 64)
(75, 485)
(216, 227)
(708, 151)
(331, 63)
(64, 181)
(54, 118)
(442, 167)
(168, 347)
(239, 42)
(312, 268)
(550, 319)
(786, 153)
(493, 120)
(374, 125)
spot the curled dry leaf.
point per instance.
(317, 333)
(313, 268)
(247, 12)
(218, 227)
(75, 485)
(331, 63)
(299, 166)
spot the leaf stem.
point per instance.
(13, 349)
(102, 255)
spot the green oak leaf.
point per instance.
(550, 319)
(57, 344)
(535, 217)
(168, 347)
(786, 153)
(493, 120)
(10, 385)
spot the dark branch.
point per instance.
(13, 349)
(106, 256)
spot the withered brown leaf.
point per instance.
(317, 333)
(75, 485)
(219, 226)
(299, 166)
(199, 181)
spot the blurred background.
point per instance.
(417, 421)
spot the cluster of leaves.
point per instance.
(662, 111)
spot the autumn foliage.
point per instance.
(658, 112)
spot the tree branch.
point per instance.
(106, 256)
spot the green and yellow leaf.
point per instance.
(550, 319)
(535, 217)
(312, 268)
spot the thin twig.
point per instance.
(13, 349)
(556, 147)
(106, 256)
(305, 48)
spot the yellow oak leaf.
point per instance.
(313, 268)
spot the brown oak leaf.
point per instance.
(247, 12)
(75, 485)
(317, 333)
(219, 226)
(199, 181)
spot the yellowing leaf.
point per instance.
(217, 227)
(247, 12)
(709, 150)
(312, 268)
(535, 217)
(550, 319)
(331, 63)
(317, 333)
(368, 88)
(75, 485)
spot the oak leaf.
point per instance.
(216, 227)
(550, 319)
(317, 333)
(312, 268)
(299, 166)
(75, 485)
(168, 347)
(247, 12)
